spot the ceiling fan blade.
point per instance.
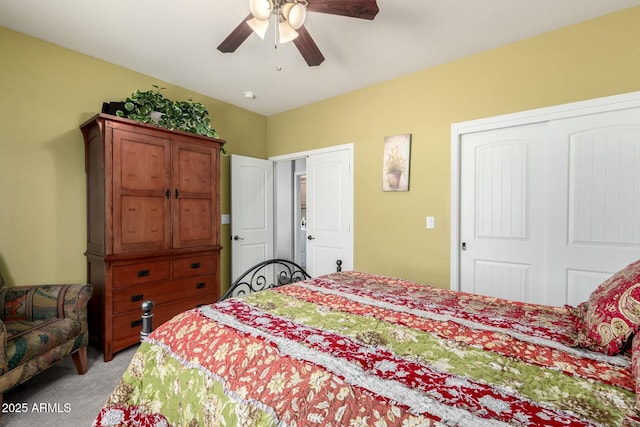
(363, 9)
(308, 48)
(236, 37)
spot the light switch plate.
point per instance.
(226, 218)
(431, 223)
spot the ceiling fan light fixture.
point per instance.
(261, 9)
(286, 33)
(295, 13)
(259, 26)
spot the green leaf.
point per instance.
(188, 116)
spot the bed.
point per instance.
(358, 349)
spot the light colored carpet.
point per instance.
(60, 397)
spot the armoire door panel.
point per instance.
(143, 223)
(195, 220)
(141, 178)
(194, 171)
(195, 223)
(144, 165)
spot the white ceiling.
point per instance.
(175, 41)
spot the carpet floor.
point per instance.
(59, 397)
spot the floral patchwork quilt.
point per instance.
(355, 349)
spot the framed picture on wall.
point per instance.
(396, 162)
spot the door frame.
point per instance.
(348, 147)
(574, 109)
(297, 219)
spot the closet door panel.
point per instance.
(595, 217)
(503, 213)
(604, 186)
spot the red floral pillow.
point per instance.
(635, 367)
(611, 315)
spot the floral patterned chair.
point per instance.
(40, 325)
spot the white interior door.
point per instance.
(329, 212)
(594, 228)
(251, 212)
(503, 209)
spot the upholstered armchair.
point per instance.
(40, 325)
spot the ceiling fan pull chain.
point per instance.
(278, 66)
(275, 40)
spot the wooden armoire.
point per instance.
(153, 233)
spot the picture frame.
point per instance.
(396, 162)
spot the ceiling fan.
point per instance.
(290, 16)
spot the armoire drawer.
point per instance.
(193, 266)
(127, 326)
(149, 271)
(131, 298)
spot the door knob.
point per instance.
(238, 238)
(310, 238)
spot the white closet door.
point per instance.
(503, 213)
(594, 220)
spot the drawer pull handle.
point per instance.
(195, 265)
(143, 273)
(201, 285)
(137, 297)
(136, 323)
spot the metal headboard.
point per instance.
(265, 275)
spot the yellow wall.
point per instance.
(46, 92)
(593, 59)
